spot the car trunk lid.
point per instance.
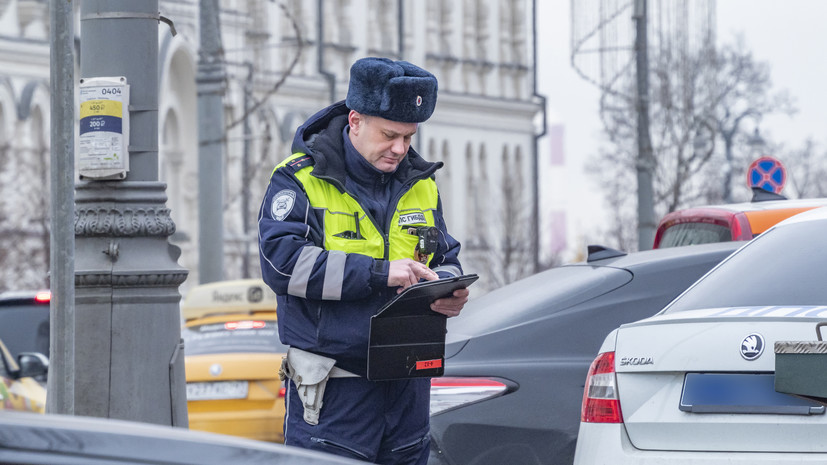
(703, 381)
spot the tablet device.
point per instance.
(407, 338)
(418, 298)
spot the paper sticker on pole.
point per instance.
(767, 173)
(104, 129)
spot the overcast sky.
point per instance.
(789, 34)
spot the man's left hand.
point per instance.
(451, 306)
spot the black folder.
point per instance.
(407, 338)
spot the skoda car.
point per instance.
(233, 356)
(516, 358)
(696, 383)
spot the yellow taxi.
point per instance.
(233, 355)
(18, 388)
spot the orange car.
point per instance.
(733, 222)
(233, 355)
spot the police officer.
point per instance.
(335, 245)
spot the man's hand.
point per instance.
(451, 306)
(405, 272)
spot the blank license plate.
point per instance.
(741, 393)
(217, 390)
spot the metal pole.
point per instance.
(645, 161)
(245, 176)
(210, 80)
(61, 209)
(535, 156)
(128, 352)
(327, 75)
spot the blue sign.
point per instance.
(767, 173)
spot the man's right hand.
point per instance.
(406, 272)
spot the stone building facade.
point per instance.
(284, 60)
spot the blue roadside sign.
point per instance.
(767, 173)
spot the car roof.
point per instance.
(811, 215)
(42, 296)
(535, 291)
(225, 317)
(119, 441)
(765, 205)
(648, 256)
(234, 296)
(761, 215)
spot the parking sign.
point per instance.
(767, 173)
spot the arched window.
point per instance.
(482, 199)
(470, 189)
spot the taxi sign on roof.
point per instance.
(237, 296)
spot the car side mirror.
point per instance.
(32, 364)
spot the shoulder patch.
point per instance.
(300, 162)
(282, 204)
(295, 163)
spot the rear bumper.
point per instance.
(261, 426)
(608, 444)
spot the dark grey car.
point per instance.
(30, 438)
(517, 358)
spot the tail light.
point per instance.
(43, 297)
(247, 324)
(600, 402)
(449, 393)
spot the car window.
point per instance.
(241, 336)
(694, 233)
(785, 267)
(24, 327)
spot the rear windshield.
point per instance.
(538, 296)
(786, 266)
(24, 327)
(694, 233)
(241, 336)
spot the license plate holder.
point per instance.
(217, 390)
(741, 393)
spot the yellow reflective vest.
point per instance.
(348, 228)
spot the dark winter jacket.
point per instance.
(329, 283)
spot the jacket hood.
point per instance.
(320, 137)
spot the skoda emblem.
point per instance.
(752, 346)
(215, 369)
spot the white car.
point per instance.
(694, 384)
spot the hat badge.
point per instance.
(418, 100)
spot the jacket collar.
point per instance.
(320, 137)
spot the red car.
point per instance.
(733, 222)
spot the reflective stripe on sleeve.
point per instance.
(302, 271)
(334, 275)
(453, 270)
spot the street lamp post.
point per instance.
(129, 361)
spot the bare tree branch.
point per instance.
(696, 97)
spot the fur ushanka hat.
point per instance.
(394, 90)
